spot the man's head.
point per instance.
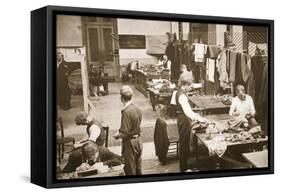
(90, 152)
(240, 92)
(183, 68)
(126, 93)
(165, 57)
(186, 83)
(82, 118)
(60, 57)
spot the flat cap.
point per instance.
(126, 91)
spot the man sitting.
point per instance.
(91, 153)
(242, 109)
(95, 129)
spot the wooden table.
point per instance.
(158, 98)
(73, 175)
(209, 104)
(257, 159)
(232, 147)
(141, 79)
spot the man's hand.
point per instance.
(236, 113)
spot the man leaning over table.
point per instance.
(185, 118)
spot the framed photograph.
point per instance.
(126, 96)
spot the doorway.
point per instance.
(102, 46)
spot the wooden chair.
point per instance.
(106, 136)
(62, 140)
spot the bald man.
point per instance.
(242, 106)
(129, 132)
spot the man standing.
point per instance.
(129, 132)
(185, 118)
(63, 89)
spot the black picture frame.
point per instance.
(43, 103)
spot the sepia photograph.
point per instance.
(138, 97)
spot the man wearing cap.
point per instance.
(95, 129)
(129, 132)
(185, 118)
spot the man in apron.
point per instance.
(185, 118)
(129, 132)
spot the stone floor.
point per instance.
(108, 110)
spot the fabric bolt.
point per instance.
(210, 69)
(232, 66)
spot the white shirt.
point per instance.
(94, 132)
(243, 107)
(168, 63)
(183, 101)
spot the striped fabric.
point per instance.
(257, 40)
(237, 39)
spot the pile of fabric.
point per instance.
(217, 146)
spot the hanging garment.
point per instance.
(210, 69)
(213, 51)
(199, 52)
(251, 86)
(238, 71)
(232, 66)
(245, 66)
(221, 66)
(227, 52)
(263, 99)
(264, 85)
(257, 68)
